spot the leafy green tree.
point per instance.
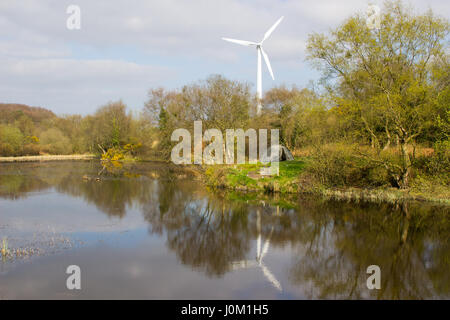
(110, 126)
(301, 114)
(382, 78)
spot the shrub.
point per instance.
(437, 164)
(11, 140)
(55, 142)
(339, 165)
(114, 154)
(31, 149)
(6, 150)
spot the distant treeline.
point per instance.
(28, 130)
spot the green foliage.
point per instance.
(113, 154)
(218, 102)
(27, 131)
(382, 120)
(246, 177)
(300, 115)
(337, 165)
(110, 125)
(438, 163)
(54, 141)
(385, 82)
(11, 140)
(31, 149)
(128, 151)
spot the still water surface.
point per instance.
(150, 230)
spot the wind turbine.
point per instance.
(244, 264)
(260, 52)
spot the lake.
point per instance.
(153, 231)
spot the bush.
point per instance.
(11, 141)
(54, 141)
(339, 165)
(437, 164)
(31, 149)
(114, 154)
(6, 150)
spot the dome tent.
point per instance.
(283, 154)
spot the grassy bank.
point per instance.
(48, 158)
(246, 177)
(294, 179)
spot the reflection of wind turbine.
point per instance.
(260, 51)
(244, 264)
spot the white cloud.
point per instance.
(77, 86)
(49, 71)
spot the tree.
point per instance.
(11, 140)
(301, 115)
(110, 126)
(218, 102)
(25, 124)
(55, 142)
(382, 78)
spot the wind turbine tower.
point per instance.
(260, 51)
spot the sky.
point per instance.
(126, 47)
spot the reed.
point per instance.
(4, 250)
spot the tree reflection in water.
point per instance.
(408, 242)
(331, 243)
(205, 233)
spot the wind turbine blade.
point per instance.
(265, 249)
(266, 245)
(258, 248)
(258, 230)
(241, 42)
(266, 59)
(269, 32)
(271, 277)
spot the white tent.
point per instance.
(283, 154)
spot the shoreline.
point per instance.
(345, 194)
(389, 195)
(47, 158)
(219, 178)
(240, 179)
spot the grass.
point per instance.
(245, 177)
